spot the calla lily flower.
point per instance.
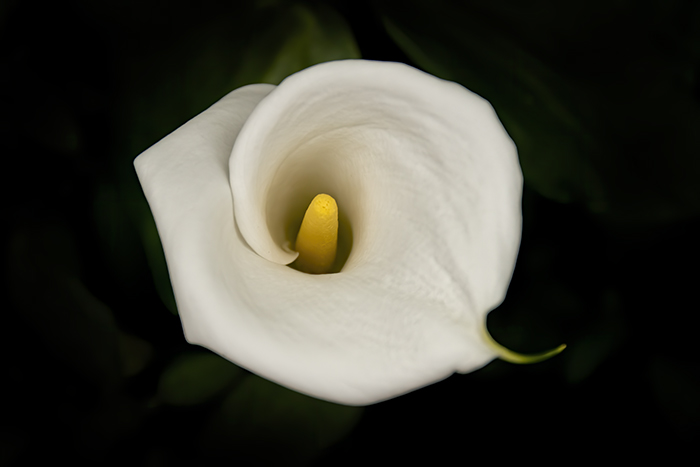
(427, 190)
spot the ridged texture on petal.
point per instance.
(426, 177)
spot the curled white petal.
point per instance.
(429, 183)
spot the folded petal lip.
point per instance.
(402, 323)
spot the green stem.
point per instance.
(515, 357)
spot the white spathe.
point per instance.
(430, 183)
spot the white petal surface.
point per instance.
(427, 178)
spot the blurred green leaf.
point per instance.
(296, 38)
(194, 378)
(603, 116)
(136, 353)
(273, 425)
(531, 100)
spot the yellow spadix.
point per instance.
(317, 241)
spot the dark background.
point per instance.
(602, 99)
